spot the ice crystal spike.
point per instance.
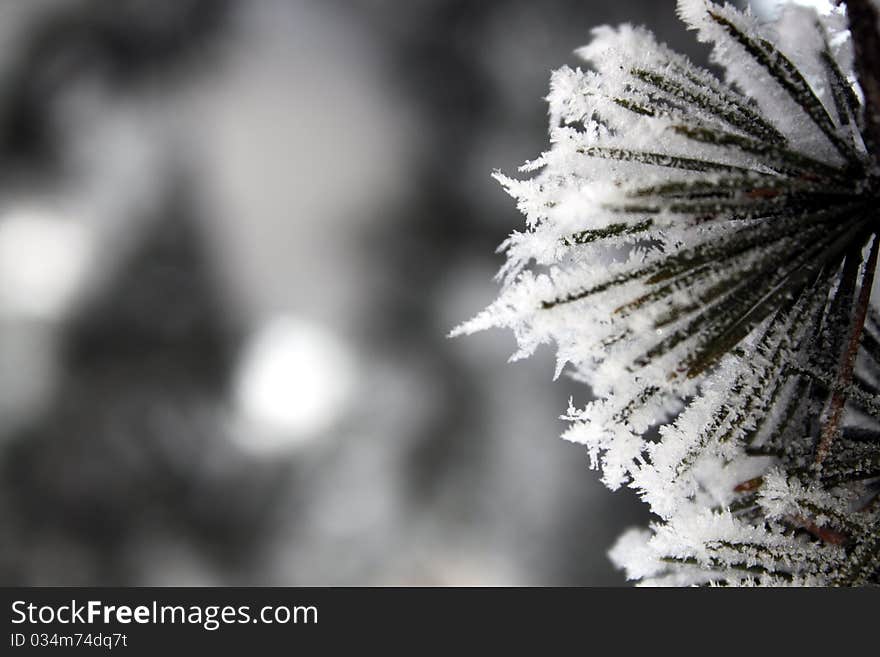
(738, 318)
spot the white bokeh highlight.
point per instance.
(43, 259)
(294, 382)
(770, 8)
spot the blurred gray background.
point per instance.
(233, 238)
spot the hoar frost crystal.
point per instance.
(702, 253)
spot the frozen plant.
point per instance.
(702, 254)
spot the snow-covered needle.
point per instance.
(702, 252)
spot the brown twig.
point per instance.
(824, 534)
(749, 485)
(848, 358)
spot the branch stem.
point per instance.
(848, 358)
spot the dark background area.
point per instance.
(233, 238)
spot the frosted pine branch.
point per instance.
(702, 254)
